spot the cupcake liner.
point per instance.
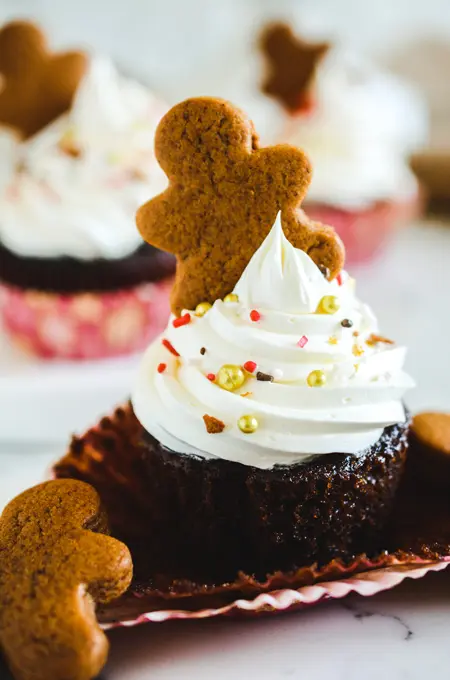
(416, 540)
(133, 610)
(84, 325)
(366, 232)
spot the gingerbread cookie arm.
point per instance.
(319, 240)
(159, 225)
(53, 569)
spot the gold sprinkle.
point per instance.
(248, 424)
(202, 308)
(231, 297)
(356, 367)
(329, 304)
(230, 377)
(357, 350)
(316, 378)
(355, 334)
(332, 340)
(247, 394)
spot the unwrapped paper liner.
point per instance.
(107, 456)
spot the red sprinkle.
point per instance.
(255, 315)
(302, 342)
(182, 320)
(168, 345)
(250, 366)
(339, 279)
(162, 368)
(211, 377)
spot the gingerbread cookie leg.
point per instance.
(55, 565)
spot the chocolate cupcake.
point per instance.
(275, 432)
(76, 279)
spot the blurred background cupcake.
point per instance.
(77, 160)
(358, 124)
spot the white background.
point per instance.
(191, 47)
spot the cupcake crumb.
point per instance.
(213, 425)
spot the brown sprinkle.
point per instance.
(203, 351)
(347, 323)
(213, 425)
(264, 377)
(324, 270)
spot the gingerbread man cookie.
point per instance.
(223, 198)
(35, 86)
(55, 564)
(292, 66)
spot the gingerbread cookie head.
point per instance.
(55, 565)
(36, 86)
(292, 64)
(223, 197)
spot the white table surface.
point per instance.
(399, 634)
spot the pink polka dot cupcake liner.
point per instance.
(85, 325)
(366, 232)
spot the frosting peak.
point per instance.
(315, 378)
(281, 277)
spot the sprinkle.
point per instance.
(356, 367)
(357, 350)
(264, 377)
(316, 378)
(203, 351)
(339, 279)
(202, 308)
(355, 334)
(231, 297)
(255, 315)
(213, 425)
(303, 341)
(211, 376)
(247, 394)
(329, 304)
(168, 345)
(182, 320)
(374, 339)
(162, 368)
(250, 366)
(248, 424)
(324, 270)
(347, 323)
(332, 340)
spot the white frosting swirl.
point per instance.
(362, 395)
(364, 125)
(58, 203)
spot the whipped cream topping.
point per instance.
(77, 183)
(364, 125)
(364, 376)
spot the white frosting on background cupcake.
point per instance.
(364, 125)
(363, 378)
(79, 181)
